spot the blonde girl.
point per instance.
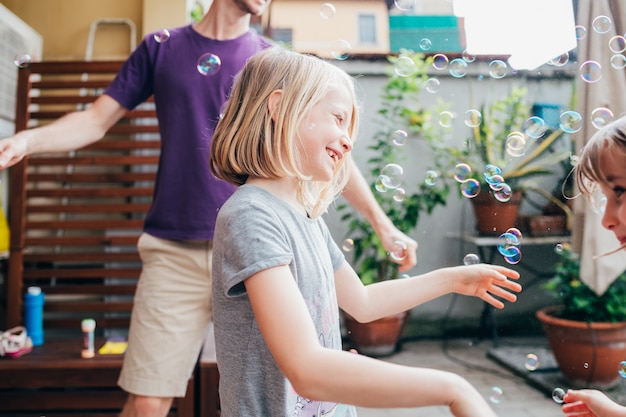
(279, 279)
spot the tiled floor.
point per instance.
(469, 359)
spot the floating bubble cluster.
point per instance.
(509, 245)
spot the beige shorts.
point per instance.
(171, 314)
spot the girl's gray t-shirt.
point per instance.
(256, 231)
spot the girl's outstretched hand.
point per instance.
(591, 403)
(490, 283)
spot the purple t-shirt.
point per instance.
(186, 196)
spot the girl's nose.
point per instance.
(346, 143)
(609, 219)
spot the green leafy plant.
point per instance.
(400, 109)
(579, 301)
(502, 137)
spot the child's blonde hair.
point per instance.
(248, 142)
(588, 170)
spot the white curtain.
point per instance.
(590, 238)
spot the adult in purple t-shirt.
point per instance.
(172, 305)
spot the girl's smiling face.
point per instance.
(613, 168)
(324, 135)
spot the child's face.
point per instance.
(614, 218)
(325, 136)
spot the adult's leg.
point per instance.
(171, 312)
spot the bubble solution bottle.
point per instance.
(33, 314)
(88, 327)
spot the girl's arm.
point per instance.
(319, 373)
(366, 303)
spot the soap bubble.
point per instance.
(515, 232)
(399, 251)
(425, 44)
(570, 121)
(404, 66)
(399, 194)
(348, 245)
(590, 71)
(468, 57)
(558, 394)
(209, 64)
(503, 193)
(380, 184)
(458, 68)
(473, 118)
(404, 4)
(440, 62)
(431, 178)
(581, 32)
(602, 24)
(559, 61)
(393, 175)
(470, 188)
(327, 11)
(341, 49)
(600, 117)
(22, 61)
(532, 362)
(432, 85)
(471, 259)
(497, 69)
(515, 256)
(462, 172)
(496, 395)
(617, 44)
(535, 127)
(399, 137)
(506, 244)
(515, 144)
(446, 118)
(162, 36)
(621, 369)
(618, 61)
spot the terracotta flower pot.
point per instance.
(377, 338)
(588, 354)
(494, 217)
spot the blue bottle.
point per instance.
(33, 314)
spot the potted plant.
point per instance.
(586, 331)
(503, 159)
(399, 109)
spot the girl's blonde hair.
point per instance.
(588, 171)
(248, 142)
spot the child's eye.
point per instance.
(618, 191)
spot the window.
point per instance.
(367, 29)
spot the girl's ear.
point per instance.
(272, 102)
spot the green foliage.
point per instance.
(498, 120)
(400, 109)
(579, 301)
